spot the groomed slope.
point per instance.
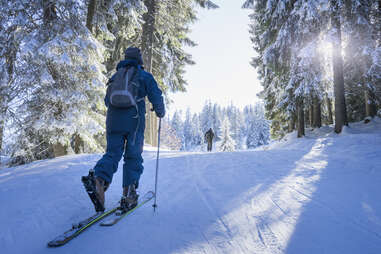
(319, 194)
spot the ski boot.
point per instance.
(95, 188)
(129, 199)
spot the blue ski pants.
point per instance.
(119, 143)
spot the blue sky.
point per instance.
(222, 72)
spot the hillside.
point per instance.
(318, 194)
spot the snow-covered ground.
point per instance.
(318, 194)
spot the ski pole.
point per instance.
(157, 164)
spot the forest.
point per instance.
(56, 57)
(234, 129)
(319, 63)
(259, 131)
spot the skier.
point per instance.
(209, 135)
(125, 134)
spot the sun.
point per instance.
(325, 47)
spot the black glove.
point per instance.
(160, 113)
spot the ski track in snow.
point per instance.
(319, 194)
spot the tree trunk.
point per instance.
(147, 49)
(292, 122)
(316, 113)
(370, 105)
(1, 136)
(300, 109)
(379, 21)
(50, 12)
(337, 59)
(78, 144)
(329, 107)
(59, 150)
(311, 115)
(115, 55)
(90, 14)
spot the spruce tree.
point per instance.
(227, 142)
(178, 125)
(197, 134)
(62, 74)
(338, 76)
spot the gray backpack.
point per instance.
(124, 87)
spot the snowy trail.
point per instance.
(319, 194)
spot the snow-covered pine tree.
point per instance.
(258, 131)
(12, 30)
(188, 134)
(206, 4)
(306, 83)
(60, 68)
(359, 46)
(375, 69)
(227, 142)
(236, 125)
(164, 37)
(217, 119)
(117, 24)
(337, 63)
(169, 137)
(206, 116)
(197, 134)
(178, 125)
(272, 33)
(252, 139)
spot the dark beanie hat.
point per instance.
(133, 53)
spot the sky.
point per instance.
(222, 73)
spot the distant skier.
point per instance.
(209, 135)
(125, 124)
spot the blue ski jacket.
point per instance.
(125, 120)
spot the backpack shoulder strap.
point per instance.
(137, 83)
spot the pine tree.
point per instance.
(197, 134)
(188, 135)
(340, 105)
(169, 137)
(164, 36)
(65, 93)
(258, 128)
(14, 25)
(216, 116)
(206, 116)
(227, 143)
(236, 125)
(358, 74)
(178, 125)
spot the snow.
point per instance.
(318, 194)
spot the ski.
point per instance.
(78, 228)
(117, 216)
